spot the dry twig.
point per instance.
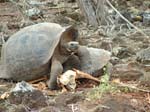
(139, 30)
(132, 87)
(38, 80)
(81, 74)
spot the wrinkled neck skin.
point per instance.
(61, 54)
(85, 59)
(63, 50)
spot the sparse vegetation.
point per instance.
(121, 27)
(104, 87)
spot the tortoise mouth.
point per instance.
(72, 46)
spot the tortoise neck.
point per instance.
(63, 50)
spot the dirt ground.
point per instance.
(125, 45)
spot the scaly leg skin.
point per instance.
(56, 69)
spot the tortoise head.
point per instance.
(72, 46)
(68, 40)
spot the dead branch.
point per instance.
(132, 87)
(95, 12)
(139, 30)
(102, 13)
(10, 14)
(38, 80)
(81, 74)
(2, 38)
(88, 9)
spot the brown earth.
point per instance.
(124, 46)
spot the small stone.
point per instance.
(33, 13)
(145, 80)
(143, 56)
(23, 87)
(134, 102)
(146, 18)
(122, 52)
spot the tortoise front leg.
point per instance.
(56, 69)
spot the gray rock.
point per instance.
(145, 80)
(33, 12)
(31, 100)
(23, 87)
(129, 71)
(143, 56)
(146, 18)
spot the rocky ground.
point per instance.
(129, 88)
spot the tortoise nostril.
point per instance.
(72, 44)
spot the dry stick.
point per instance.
(11, 14)
(38, 80)
(139, 30)
(101, 8)
(133, 87)
(81, 74)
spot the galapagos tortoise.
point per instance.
(36, 50)
(89, 60)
